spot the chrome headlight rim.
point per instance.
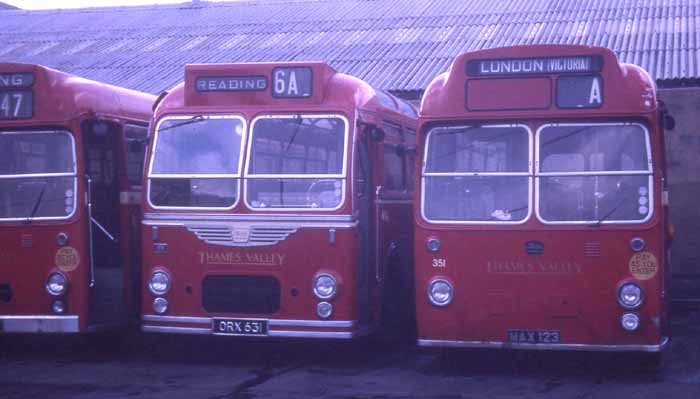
(160, 305)
(430, 290)
(318, 294)
(168, 282)
(630, 315)
(48, 284)
(627, 306)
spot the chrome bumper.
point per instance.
(548, 347)
(39, 324)
(276, 327)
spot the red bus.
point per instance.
(277, 203)
(71, 156)
(542, 215)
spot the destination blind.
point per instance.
(16, 97)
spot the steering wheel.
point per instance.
(313, 187)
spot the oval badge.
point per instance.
(643, 265)
(67, 259)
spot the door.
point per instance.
(101, 157)
(364, 196)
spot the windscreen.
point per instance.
(37, 175)
(594, 173)
(196, 162)
(477, 174)
(297, 161)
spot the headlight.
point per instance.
(324, 310)
(630, 296)
(440, 292)
(160, 305)
(159, 283)
(56, 284)
(630, 321)
(58, 306)
(325, 286)
(433, 245)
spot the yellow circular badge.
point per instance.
(67, 259)
(643, 265)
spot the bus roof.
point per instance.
(279, 86)
(539, 80)
(59, 96)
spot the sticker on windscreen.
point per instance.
(67, 259)
(643, 265)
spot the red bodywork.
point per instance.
(572, 286)
(309, 242)
(29, 249)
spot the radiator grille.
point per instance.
(242, 237)
(241, 294)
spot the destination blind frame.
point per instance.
(534, 65)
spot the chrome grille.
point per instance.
(248, 236)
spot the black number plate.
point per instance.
(534, 337)
(239, 327)
(16, 104)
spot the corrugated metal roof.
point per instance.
(393, 44)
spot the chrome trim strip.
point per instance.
(36, 324)
(313, 323)
(176, 319)
(176, 330)
(251, 218)
(568, 347)
(312, 334)
(270, 322)
(395, 201)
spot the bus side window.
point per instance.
(135, 138)
(393, 163)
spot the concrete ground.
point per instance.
(109, 366)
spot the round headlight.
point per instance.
(630, 296)
(325, 286)
(324, 310)
(56, 284)
(160, 305)
(630, 321)
(159, 283)
(440, 292)
(58, 306)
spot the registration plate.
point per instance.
(239, 327)
(534, 336)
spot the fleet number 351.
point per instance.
(439, 262)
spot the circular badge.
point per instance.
(643, 265)
(67, 259)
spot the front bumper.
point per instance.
(551, 347)
(39, 324)
(325, 329)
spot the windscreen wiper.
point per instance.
(194, 119)
(298, 120)
(37, 203)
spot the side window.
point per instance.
(135, 139)
(393, 163)
(410, 143)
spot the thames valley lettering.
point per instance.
(518, 267)
(241, 258)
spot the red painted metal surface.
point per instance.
(315, 241)
(30, 251)
(572, 286)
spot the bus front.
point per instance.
(542, 221)
(248, 229)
